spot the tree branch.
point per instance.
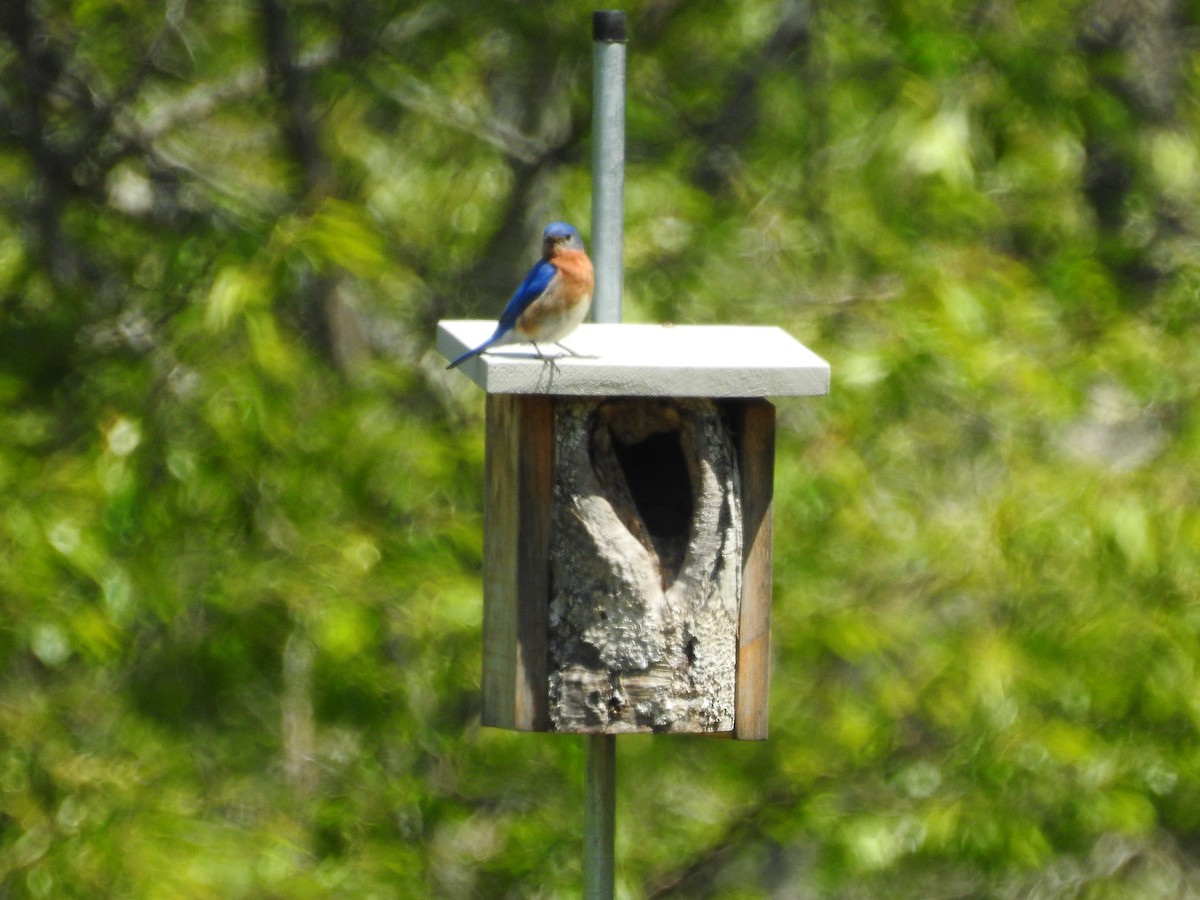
(288, 83)
(691, 880)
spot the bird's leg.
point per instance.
(552, 361)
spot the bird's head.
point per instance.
(560, 236)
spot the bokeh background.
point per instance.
(240, 498)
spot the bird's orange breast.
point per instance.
(575, 269)
(571, 288)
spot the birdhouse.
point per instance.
(627, 525)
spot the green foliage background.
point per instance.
(240, 530)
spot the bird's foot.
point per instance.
(571, 352)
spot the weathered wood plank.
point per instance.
(755, 436)
(519, 472)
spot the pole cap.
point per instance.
(608, 26)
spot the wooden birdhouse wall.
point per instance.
(627, 564)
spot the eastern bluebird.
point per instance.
(553, 298)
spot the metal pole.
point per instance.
(600, 817)
(608, 219)
(608, 160)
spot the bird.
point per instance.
(552, 300)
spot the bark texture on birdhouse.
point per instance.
(645, 552)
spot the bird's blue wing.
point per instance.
(531, 288)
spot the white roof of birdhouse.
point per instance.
(644, 360)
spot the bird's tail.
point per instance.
(462, 359)
(470, 353)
